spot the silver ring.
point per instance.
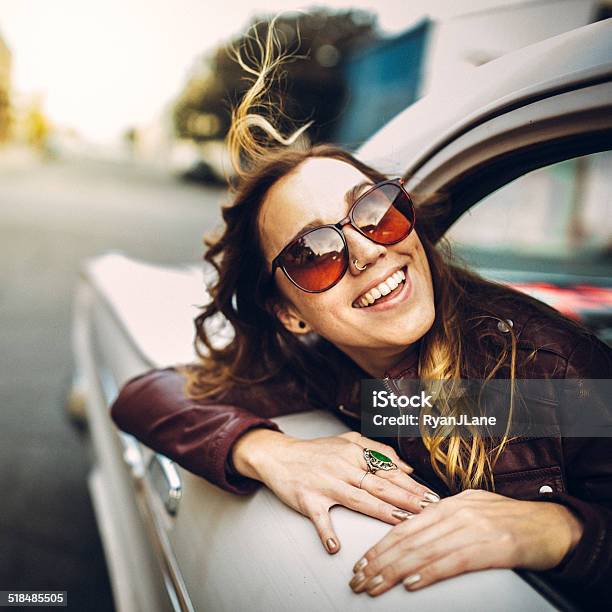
(377, 461)
(360, 269)
(364, 475)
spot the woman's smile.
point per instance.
(386, 293)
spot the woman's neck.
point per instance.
(377, 363)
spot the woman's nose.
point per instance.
(362, 249)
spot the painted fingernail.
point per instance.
(331, 545)
(357, 580)
(431, 497)
(374, 582)
(410, 580)
(360, 564)
(401, 515)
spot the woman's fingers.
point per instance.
(405, 555)
(322, 522)
(456, 554)
(467, 559)
(424, 495)
(387, 490)
(366, 503)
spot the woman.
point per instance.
(327, 278)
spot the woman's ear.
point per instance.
(291, 320)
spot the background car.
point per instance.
(174, 541)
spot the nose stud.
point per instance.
(356, 264)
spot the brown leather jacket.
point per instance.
(576, 472)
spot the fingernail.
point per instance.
(431, 497)
(374, 582)
(356, 581)
(360, 564)
(424, 504)
(411, 580)
(401, 515)
(331, 545)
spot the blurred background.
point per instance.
(112, 124)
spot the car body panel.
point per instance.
(561, 63)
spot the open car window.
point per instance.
(549, 233)
(557, 219)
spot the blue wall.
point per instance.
(381, 80)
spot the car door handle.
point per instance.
(166, 481)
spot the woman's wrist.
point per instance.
(253, 449)
(569, 532)
(575, 527)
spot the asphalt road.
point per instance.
(52, 216)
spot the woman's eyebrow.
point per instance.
(349, 197)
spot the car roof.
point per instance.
(418, 132)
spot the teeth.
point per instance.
(384, 288)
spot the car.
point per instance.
(172, 540)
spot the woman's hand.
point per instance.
(311, 476)
(470, 531)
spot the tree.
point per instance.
(310, 86)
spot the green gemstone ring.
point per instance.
(377, 461)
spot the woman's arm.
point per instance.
(234, 449)
(198, 435)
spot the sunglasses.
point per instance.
(318, 259)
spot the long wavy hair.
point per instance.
(262, 350)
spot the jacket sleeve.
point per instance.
(588, 465)
(197, 434)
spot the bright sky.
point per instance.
(102, 66)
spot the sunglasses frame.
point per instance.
(399, 182)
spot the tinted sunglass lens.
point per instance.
(317, 260)
(385, 215)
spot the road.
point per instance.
(52, 216)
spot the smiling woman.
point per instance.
(324, 289)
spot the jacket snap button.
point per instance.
(505, 326)
(546, 489)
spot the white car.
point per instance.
(175, 542)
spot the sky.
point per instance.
(103, 66)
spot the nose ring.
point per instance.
(356, 264)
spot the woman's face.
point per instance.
(316, 190)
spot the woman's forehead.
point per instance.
(316, 189)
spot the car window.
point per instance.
(557, 219)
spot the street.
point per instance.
(52, 216)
